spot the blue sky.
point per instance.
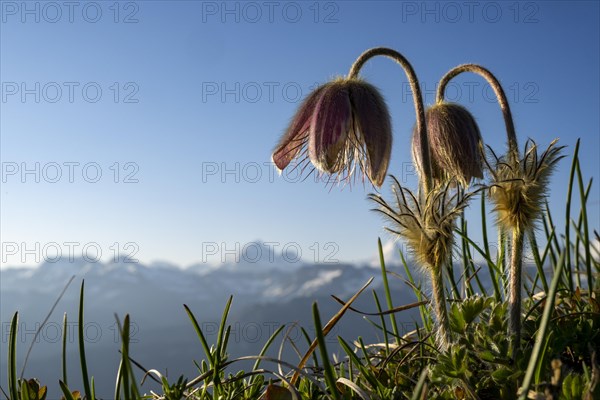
(179, 104)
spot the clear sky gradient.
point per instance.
(178, 105)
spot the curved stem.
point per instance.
(500, 96)
(417, 98)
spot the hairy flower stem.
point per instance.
(501, 260)
(437, 280)
(417, 99)
(516, 261)
(500, 96)
(443, 337)
(514, 292)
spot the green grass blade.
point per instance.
(551, 223)
(201, 336)
(534, 285)
(129, 384)
(328, 327)
(578, 239)
(386, 288)
(586, 232)
(118, 382)
(222, 326)
(475, 273)
(467, 264)
(450, 274)
(423, 310)
(24, 390)
(12, 357)
(501, 260)
(306, 337)
(494, 269)
(541, 333)
(550, 239)
(225, 342)
(219, 351)
(486, 247)
(83, 361)
(125, 376)
(418, 393)
(568, 209)
(364, 370)
(538, 261)
(548, 248)
(266, 347)
(383, 326)
(66, 392)
(540, 367)
(328, 369)
(364, 350)
(39, 329)
(64, 350)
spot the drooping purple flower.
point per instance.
(339, 126)
(454, 141)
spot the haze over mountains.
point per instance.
(267, 292)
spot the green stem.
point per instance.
(541, 336)
(538, 261)
(417, 98)
(514, 286)
(500, 96)
(388, 295)
(586, 234)
(443, 336)
(501, 257)
(486, 247)
(450, 273)
(568, 215)
(514, 301)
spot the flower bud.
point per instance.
(454, 143)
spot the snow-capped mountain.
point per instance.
(391, 254)
(267, 291)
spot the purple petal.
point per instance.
(375, 129)
(329, 127)
(296, 134)
(455, 141)
(436, 171)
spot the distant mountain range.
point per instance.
(266, 293)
